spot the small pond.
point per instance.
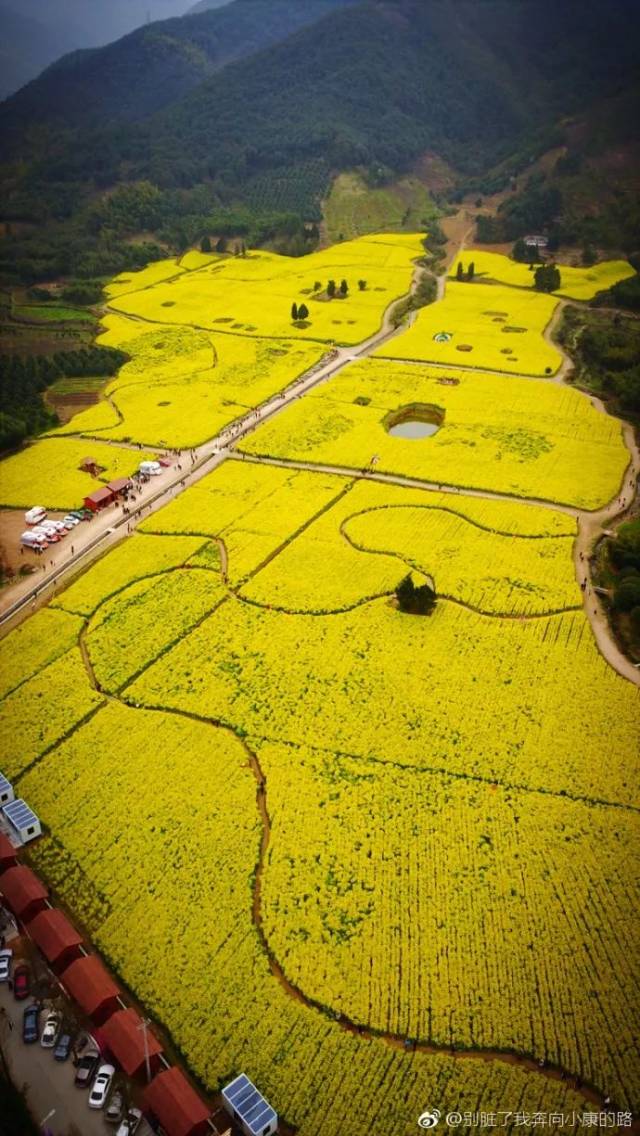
(418, 420)
(413, 428)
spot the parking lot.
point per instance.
(55, 1101)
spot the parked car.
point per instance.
(78, 514)
(35, 515)
(34, 541)
(63, 1047)
(101, 1086)
(86, 1068)
(115, 1109)
(50, 535)
(31, 1024)
(54, 526)
(131, 1123)
(21, 982)
(52, 1024)
(5, 964)
(70, 519)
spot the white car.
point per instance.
(101, 1086)
(54, 526)
(5, 964)
(70, 522)
(51, 1030)
(131, 1123)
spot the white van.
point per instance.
(151, 468)
(35, 515)
(33, 540)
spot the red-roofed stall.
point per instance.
(23, 892)
(176, 1105)
(7, 853)
(57, 938)
(99, 499)
(119, 485)
(92, 987)
(124, 1036)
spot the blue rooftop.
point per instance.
(20, 815)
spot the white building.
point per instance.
(249, 1108)
(6, 791)
(21, 822)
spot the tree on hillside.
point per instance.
(243, 249)
(317, 286)
(221, 244)
(344, 287)
(331, 289)
(303, 312)
(459, 271)
(205, 245)
(415, 600)
(362, 284)
(471, 271)
(547, 278)
(520, 251)
(589, 255)
(294, 311)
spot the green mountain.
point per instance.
(187, 140)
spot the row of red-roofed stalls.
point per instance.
(170, 1097)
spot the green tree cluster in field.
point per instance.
(24, 379)
(419, 600)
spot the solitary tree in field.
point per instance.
(459, 271)
(547, 278)
(362, 284)
(331, 289)
(344, 288)
(416, 601)
(471, 271)
(205, 245)
(317, 286)
(294, 311)
(303, 312)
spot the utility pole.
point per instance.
(144, 1026)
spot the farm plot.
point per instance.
(577, 283)
(196, 814)
(363, 544)
(482, 325)
(523, 438)
(424, 693)
(409, 907)
(253, 295)
(183, 386)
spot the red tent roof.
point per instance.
(125, 1039)
(89, 983)
(21, 888)
(99, 495)
(175, 1103)
(119, 484)
(7, 851)
(54, 934)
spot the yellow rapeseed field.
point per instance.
(253, 295)
(189, 845)
(488, 326)
(427, 906)
(183, 386)
(524, 438)
(578, 283)
(383, 685)
(339, 824)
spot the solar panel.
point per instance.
(4, 783)
(19, 813)
(249, 1104)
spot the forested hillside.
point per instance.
(370, 85)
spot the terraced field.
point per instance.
(393, 858)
